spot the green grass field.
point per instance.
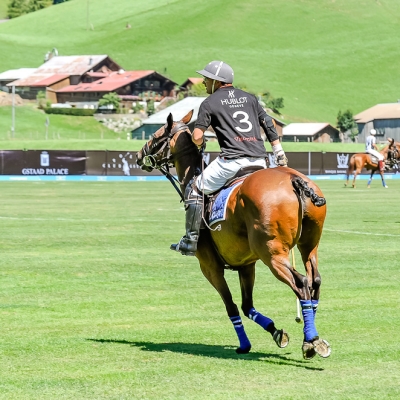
(30, 126)
(3, 9)
(321, 56)
(94, 305)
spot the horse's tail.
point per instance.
(302, 189)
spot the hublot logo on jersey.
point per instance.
(234, 101)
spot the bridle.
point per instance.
(162, 159)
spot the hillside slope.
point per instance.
(319, 55)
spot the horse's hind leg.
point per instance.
(305, 288)
(246, 278)
(309, 252)
(356, 172)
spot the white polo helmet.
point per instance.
(373, 132)
(219, 71)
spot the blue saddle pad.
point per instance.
(218, 211)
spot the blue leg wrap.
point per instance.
(369, 181)
(314, 307)
(310, 332)
(260, 319)
(383, 183)
(244, 342)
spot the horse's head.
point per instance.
(158, 151)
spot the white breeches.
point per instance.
(220, 170)
(375, 153)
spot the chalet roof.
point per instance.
(111, 82)
(68, 65)
(178, 111)
(14, 74)
(193, 81)
(50, 80)
(379, 111)
(305, 129)
(97, 74)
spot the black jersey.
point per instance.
(235, 116)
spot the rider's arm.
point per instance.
(198, 136)
(268, 125)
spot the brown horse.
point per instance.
(272, 211)
(359, 161)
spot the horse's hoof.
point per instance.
(386, 186)
(246, 350)
(308, 351)
(281, 338)
(322, 347)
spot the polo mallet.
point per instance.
(298, 317)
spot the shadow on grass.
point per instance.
(223, 352)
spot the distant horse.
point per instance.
(359, 161)
(272, 211)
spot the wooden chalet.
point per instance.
(310, 132)
(62, 71)
(129, 85)
(384, 118)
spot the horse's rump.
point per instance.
(266, 207)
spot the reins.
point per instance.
(162, 159)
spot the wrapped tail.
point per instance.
(302, 189)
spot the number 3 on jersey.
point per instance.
(244, 120)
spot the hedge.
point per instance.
(82, 112)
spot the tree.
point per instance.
(274, 104)
(36, 5)
(16, 8)
(41, 99)
(345, 122)
(21, 7)
(110, 99)
(197, 90)
(150, 107)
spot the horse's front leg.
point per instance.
(213, 270)
(246, 279)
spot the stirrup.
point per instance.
(180, 248)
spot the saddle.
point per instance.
(373, 159)
(239, 177)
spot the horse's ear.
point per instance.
(170, 121)
(186, 119)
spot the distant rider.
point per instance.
(236, 117)
(371, 148)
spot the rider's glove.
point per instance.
(281, 160)
(280, 157)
